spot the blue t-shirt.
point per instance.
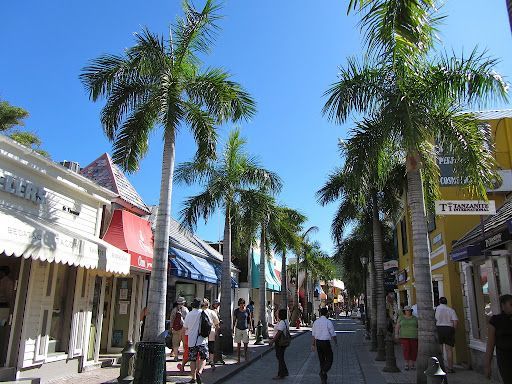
(250, 307)
(242, 318)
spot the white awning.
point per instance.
(23, 236)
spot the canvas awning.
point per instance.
(193, 267)
(24, 236)
(132, 234)
(271, 280)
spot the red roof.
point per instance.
(133, 235)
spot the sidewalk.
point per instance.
(210, 376)
(461, 375)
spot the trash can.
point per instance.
(150, 363)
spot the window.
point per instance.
(403, 231)
(482, 300)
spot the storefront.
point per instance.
(272, 284)
(485, 256)
(50, 258)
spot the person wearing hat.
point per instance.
(198, 345)
(214, 320)
(178, 315)
(406, 330)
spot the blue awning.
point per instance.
(270, 279)
(184, 264)
(218, 270)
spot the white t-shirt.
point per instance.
(282, 326)
(191, 325)
(445, 316)
(214, 319)
(323, 329)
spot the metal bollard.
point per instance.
(259, 334)
(127, 364)
(390, 355)
(434, 373)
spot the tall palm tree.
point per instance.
(231, 180)
(414, 99)
(161, 83)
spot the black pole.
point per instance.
(367, 323)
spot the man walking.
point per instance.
(198, 345)
(178, 315)
(323, 332)
(241, 323)
(446, 322)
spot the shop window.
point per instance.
(482, 300)
(60, 321)
(403, 232)
(186, 290)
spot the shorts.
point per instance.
(446, 335)
(198, 350)
(241, 336)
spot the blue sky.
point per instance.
(286, 53)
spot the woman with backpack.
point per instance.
(281, 339)
(178, 315)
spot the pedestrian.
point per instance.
(446, 322)
(323, 332)
(217, 358)
(406, 330)
(198, 345)
(269, 316)
(295, 316)
(280, 339)
(250, 307)
(241, 325)
(499, 335)
(214, 320)
(177, 318)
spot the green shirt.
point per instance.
(408, 327)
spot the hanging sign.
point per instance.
(465, 207)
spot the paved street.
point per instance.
(303, 363)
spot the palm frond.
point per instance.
(199, 206)
(202, 126)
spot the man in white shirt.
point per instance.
(214, 320)
(446, 322)
(323, 332)
(197, 345)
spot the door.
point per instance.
(95, 317)
(9, 273)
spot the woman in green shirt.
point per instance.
(407, 330)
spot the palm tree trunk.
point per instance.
(262, 288)
(373, 303)
(284, 283)
(225, 286)
(157, 292)
(379, 279)
(427, 337)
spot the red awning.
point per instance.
(133, 235)
(278, 274)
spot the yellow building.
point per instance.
(444, 231)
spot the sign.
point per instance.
(465, 207)
(437, 239)
(390, 264)
(496, 239)
(22, 188)
(401, 277)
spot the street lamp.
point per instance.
(364, 262)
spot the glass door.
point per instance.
(93, 333)
(9, 271)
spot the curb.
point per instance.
(254, 359)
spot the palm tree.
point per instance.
(161, 83)
(232, 180)
(509, 9)
(414, 101)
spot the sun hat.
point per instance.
(216, 301)
(181, 300)
(408, 308)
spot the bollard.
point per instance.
(127, 364)
(390, 355)
(381, 347)
(259, 335)
(434, 373)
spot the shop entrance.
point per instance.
(95, 319)
(9, 273)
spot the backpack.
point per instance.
(285, 338)
(177, 323)
(205, 325)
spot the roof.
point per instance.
(492, 225)
(493, 114)
(104, 172)
(188, 241)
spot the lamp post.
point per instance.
(364, 262)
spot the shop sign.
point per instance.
(437, 239)
(465, 207)
(22, 188)
(401, 277)
(496, 239)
